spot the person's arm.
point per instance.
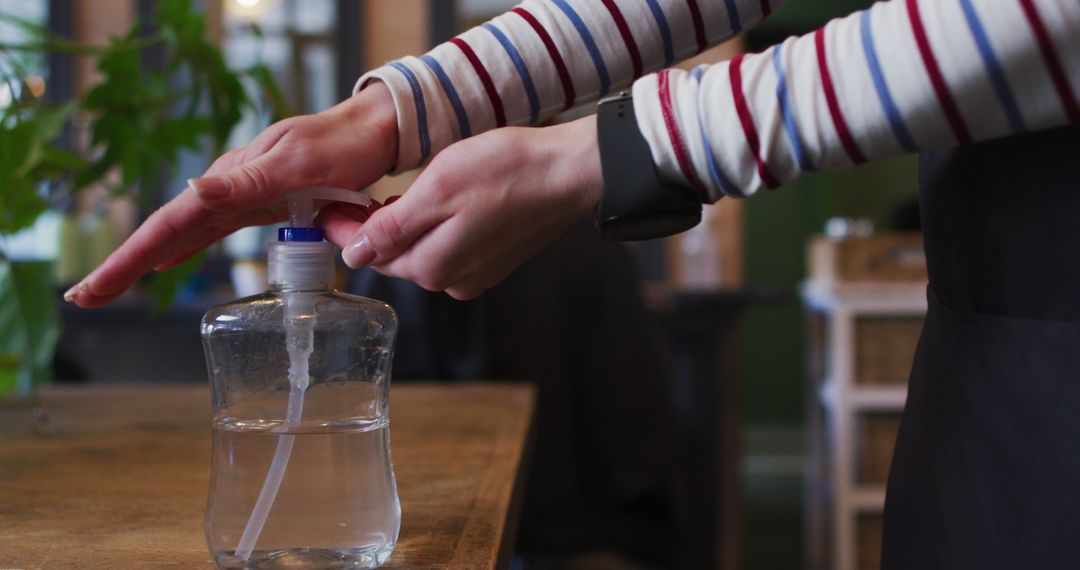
(350, 145)
(543, 57)
(530, 63)
(900, 77)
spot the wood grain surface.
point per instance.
(121, 479)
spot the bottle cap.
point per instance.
(300, 263)
(300, 257)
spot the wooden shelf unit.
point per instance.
(839, 407)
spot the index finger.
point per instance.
(164, 235)
(167, 233)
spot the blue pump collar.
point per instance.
(300, 234)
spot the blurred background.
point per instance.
(723, 399)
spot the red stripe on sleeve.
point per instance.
(628, 38)
(747, 120)
(837, 115)
(699, 25)
(553, 52)
(941, 89)
(1053, 64)
(675, 135)
(485, 78)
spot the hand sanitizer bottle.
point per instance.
(299, 377)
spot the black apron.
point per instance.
(986, 473)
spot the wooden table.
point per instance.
(122, 480)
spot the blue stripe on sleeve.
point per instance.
(590, 45)
(994, 69)
(733, 16)
(665, 31)
(789, 117)
(451, 94)
(714, 169)
(523, 72)
(892, 112)
(421, 108)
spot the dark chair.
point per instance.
(572, 321)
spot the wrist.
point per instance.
(373, 108)
(573, 156)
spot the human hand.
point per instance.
(350, 146)
(481, 208)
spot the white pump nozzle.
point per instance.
(301, 200)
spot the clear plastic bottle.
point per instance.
(302, 476)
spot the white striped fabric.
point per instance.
(568, 52)
(903, 76)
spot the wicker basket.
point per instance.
(876, 440)
(884, 349)
(886, 257)
(869, 529)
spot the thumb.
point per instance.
(246, 186)
(389, 232)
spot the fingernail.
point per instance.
(69, 295)
(359, 253)
(210, 188)
(354, 211)
(391, 199)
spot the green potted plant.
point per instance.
(139, 119)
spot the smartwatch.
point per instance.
(636, 204)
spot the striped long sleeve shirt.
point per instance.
(899, 77)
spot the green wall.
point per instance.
(777, 226)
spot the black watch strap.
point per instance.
(636, 204)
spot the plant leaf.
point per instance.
(40, 313)
(167, 283)
(20, 205)
(140, 118)
(264, 79)
(57, 161)
(13, 338)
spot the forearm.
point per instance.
(901, 77)
(545, 56)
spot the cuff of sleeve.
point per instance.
(681, 124)
(650, 121)
(660, 128)
(410, 153)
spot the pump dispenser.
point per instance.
(302, 476)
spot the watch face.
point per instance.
(620, 96)
(638, 228)
(636, 204)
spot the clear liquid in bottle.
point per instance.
(337, 505)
